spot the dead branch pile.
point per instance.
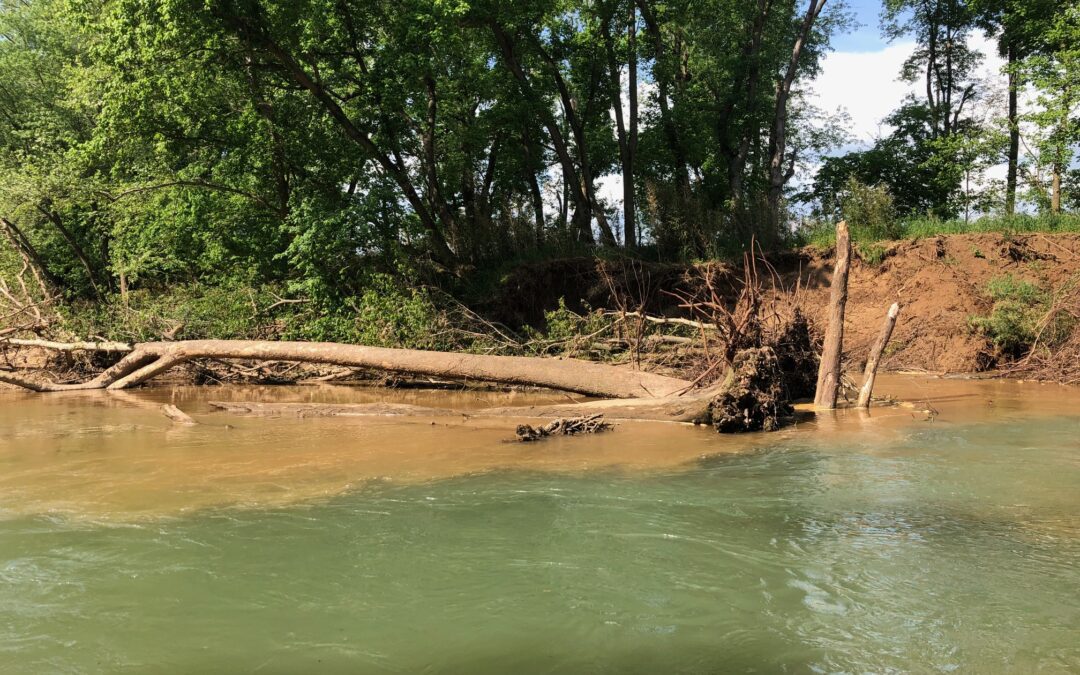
(590, 424)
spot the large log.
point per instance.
(749, 398)
(150, 359)
(874, 360)
(828, 381)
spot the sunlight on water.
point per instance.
(846, 544)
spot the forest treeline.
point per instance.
(313, 146)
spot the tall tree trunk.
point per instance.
(630, 233)
(663, 93)
(577, 128)
(26, 250)
(278, 153)
(931, 62)
(1014, 135)
(828, 381)
(748, 93)
(430, 160)
(572, 179)
(778, 135)
(532, 167)
(69, 238)
(1055, 189)
(626, 130)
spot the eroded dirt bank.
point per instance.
(941, 283)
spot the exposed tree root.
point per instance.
(753, 396)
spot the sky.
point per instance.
(861, 74)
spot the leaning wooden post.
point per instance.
(875, 356)
(828, 381)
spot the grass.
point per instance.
(824, 235)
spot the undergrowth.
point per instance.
(1023, 315)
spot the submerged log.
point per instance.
(874, 359)
(828, 381)
(258, 409)
(177, 415)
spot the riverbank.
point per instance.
(970, 303)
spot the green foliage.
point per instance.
(390, 315)
(823, 233)
(227, 311)
(566, 331)
(870, 211)
(872, 254)
(1021, 315)
(184, 150)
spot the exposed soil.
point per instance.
(940, 283)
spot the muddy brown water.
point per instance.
(893, 540)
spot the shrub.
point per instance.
(228, 311)
(565, 329)
(869, 211)
(1021, 314)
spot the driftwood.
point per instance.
(117, 347)
(592, 424)
(828, 381)
(874, 360)
(257, 409)
(177, 415)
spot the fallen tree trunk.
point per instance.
(150, 359)
(753, 395)
(750, 398)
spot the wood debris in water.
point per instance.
(177, 415)
(564, 426)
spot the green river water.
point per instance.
(849, 543)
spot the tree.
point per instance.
(1055, 74)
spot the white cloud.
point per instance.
(868, 86)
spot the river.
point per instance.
(895, 541)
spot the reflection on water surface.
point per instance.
(850, 543)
